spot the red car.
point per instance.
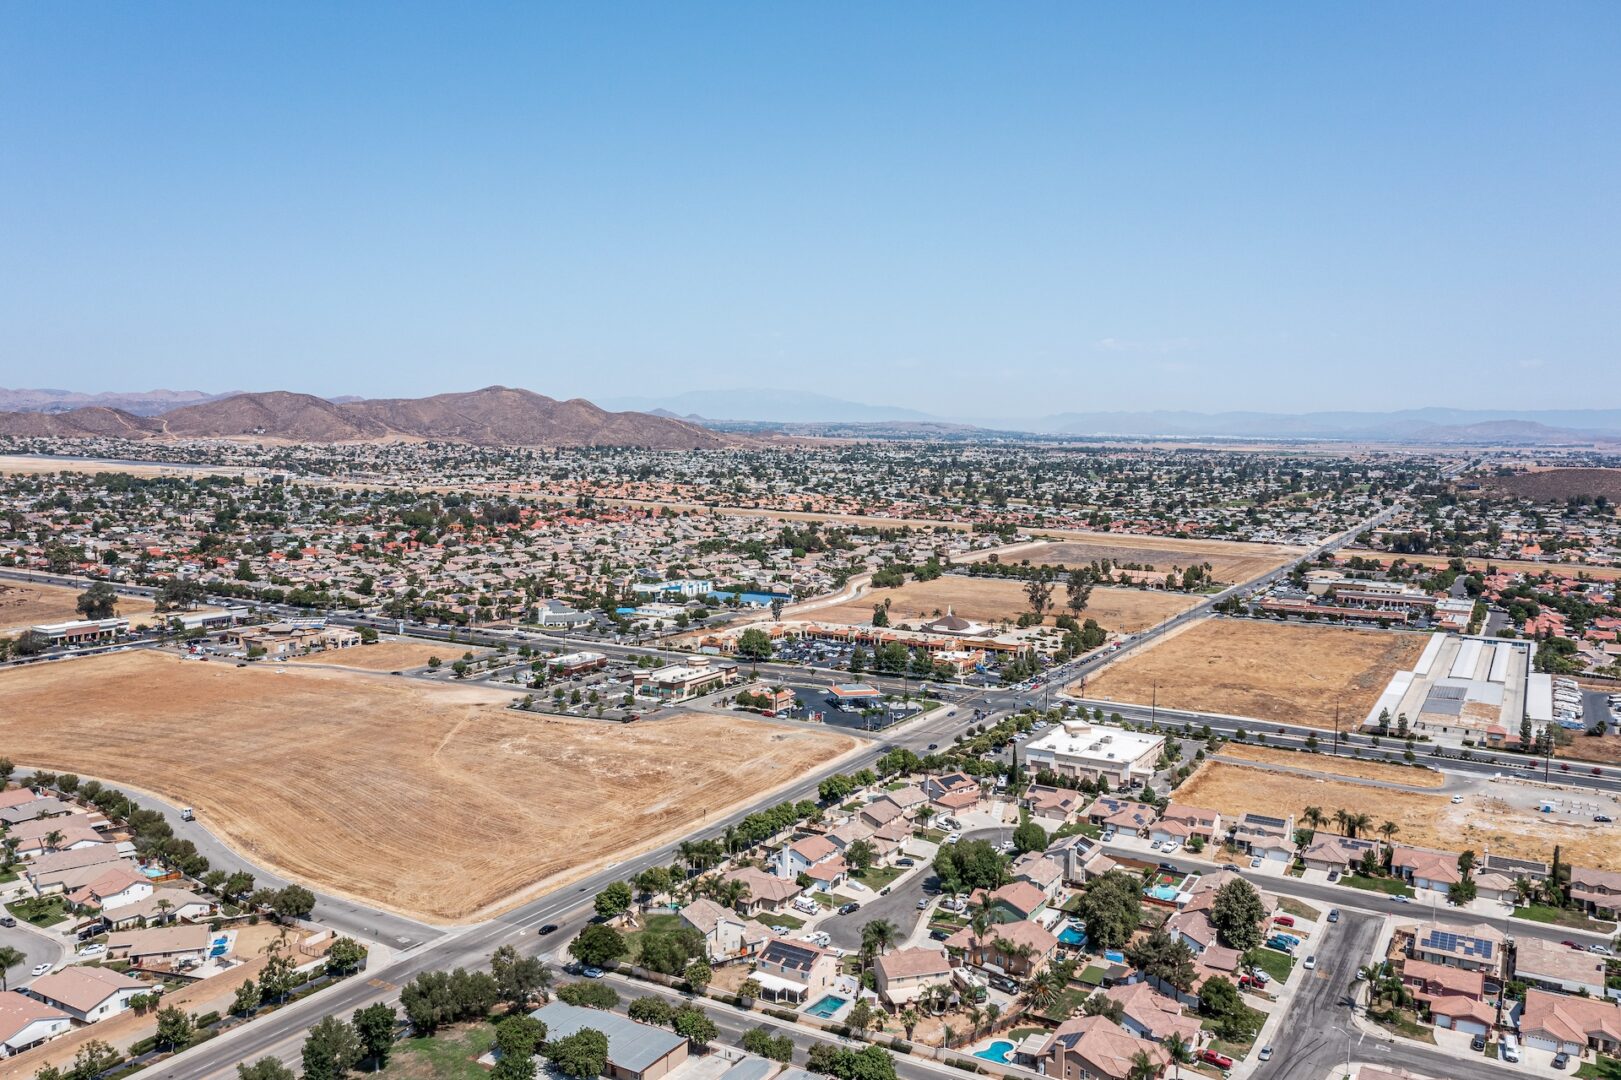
(1284, 920)
(1570, 944)
(1220, 1061)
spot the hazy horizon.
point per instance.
(967, 211)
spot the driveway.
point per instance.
(900, 906)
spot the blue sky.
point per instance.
(972, 209)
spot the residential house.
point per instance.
(1271, 838)
(1014, 902)
(880, 812)
(794, 970)
(1020, 948)
(1426, 869)
(1455, 997)
(798, 857)
(87, 994)
(635, 1051)
(1054, 804)
(1556, 967)
(1530, 869)
(163, 905)
(1474, 948)
(728, 936)
(1182, 822)
(902, 975)
(1127, 816)
(1597, 891)
(62, 871)
(1094, 1048)
(1193, 929)
(829, 875)
(767, 892)
(1081, 857)
(167, 945)
(1041, 871)
(1331, 852)
(951, 786)
(26, 1022)
(1149, 1014)
(1558, 1023)
(116, 885)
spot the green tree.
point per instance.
(517, 1037)
(698, 976)
(651, 1010)
(175, 1029)
(293, 902)
(519, 979)
(613, 900)
(762, 1043)
(246, 1001)
(754, 644)
(597, 945)
(1028, 836)
(345, 956)
(1159, 956)
(1236, 915)
(582, 1055)
(9, 958)
(331, 1049)
(374, 1027)
(267, 1068)
(99, 601)
(1112, 908)
(695, 1026)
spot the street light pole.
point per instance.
(1153, 708)
(1336, 730)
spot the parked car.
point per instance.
(591, 972)
(1603, 819)
(7, 920)
(1333, 876)
(1284, 920)
(922, 903)
(905, 862)
(1266, 1053)
(1561, 1059)
(1255, 863)
(1478, 1043)
(95, 948)
(1220, 1061)
(1333, 914)
(845, 909)
(1311, 963)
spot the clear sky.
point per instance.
(986, 209)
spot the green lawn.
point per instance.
(876, 877)
(1389, 886)
(452, 1054)
(1402, 1023)
(656, 924)
(1276, 964)
(1542, 913)
(1066, 1003)
(779, 918)
(1605, 1068)
(41, 911)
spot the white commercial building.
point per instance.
(1077, 748)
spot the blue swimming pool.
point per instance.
(1073, 935)
(1165, 893)
(998, 1052)
(1114, 956)
(828, 1006)
(755, 599)
(219, 946)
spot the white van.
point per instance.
(1508, 1048)
(806, 904)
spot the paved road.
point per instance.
(36, 946)
(1325, 1036)
(900, 906)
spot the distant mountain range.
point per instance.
(494, 416)
(1428, 425)
(771, 406)
(141, 403)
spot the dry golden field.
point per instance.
(1479, 823)
(431, 800)
(992, 600)
(1343, 765)
(1507, 566)
(1283, 672)
(1230, 561)
(24, 604)
(389, 655)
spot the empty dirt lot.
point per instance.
(1283, 672)
(1230, 561)
(431, 800)
(390, 655)
(24, 604)
(1344, 765)
(1480, 822)
(1506, 566)
(991, 600)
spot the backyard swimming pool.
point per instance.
(828, 1006)
(998, 1052)
(1164, 893)
(1073, 935)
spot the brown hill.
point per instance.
(500, 416)
(1558, 485)
(494, 416)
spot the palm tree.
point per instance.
(1143, 1067)
(1389, 829)
(1524, 890)
(992, 1011)
(164, 907)
(1179, 1052)
(947, 1036)
(53, 838)
(909, 1020)
(974, 1015)
(1358, 823)
(9, 958)
(1342, 820)
(1313, 816)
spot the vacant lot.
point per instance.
(992, 600)
(1342, 765)
(431, 800)
(1283, 672)
(24, 604)
(1478, 823)
(389, 655)
(1230, 561)
(1507, 566)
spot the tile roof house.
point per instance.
(1013, 902)
(1125, 815)
(1598, 891)
(1477, 948)
(905, 973)
(87, 994)
(26, 1023)
(794, 969)
(767, 892)
(1020, 948)
(1426, 869)
(794, 859)
(1094, 1048)
(1557, 967)
(1558, 1022)
(1046, 801)
(1151, 1015)
(728, 936)
(1038, 869)
(182, 942)
(1330, 851)
(1081, 857)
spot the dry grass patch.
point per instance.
(1507, 566)
(24, 604)
(1282, 672)
(1230, 560)
(389, 655)
(993, 600)
(1343, 765)
(1432, 821)
(429, 799)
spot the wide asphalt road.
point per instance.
(900, 906)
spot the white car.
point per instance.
(1456, 799)
(1154, 846)
(1311, 963)
(93, 949)
(41, 969)
(1255, 863)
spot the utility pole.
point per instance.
(1153, 708)
(1336, 730)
